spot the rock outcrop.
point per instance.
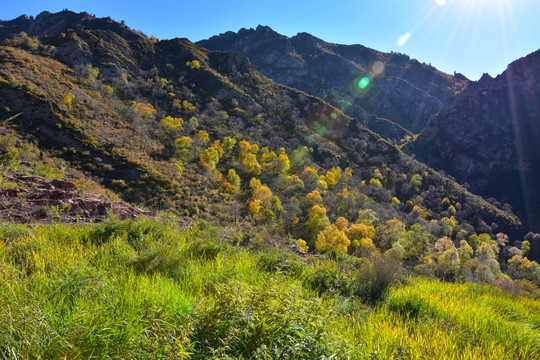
(37, 199)
(488, 136)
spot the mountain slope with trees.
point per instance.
(249, 191)
(333, 72)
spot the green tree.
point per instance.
(416, 240)
(233, 178)
(183, 148)
(525, 248)
(388, 233)
(416, 183)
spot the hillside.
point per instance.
(102, 107)
(488, 135)
(151, 290)
(398, 98)
(265, 222)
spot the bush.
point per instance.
(278, 261)
(160, 258)
(136, 232)
(267, 322)
(205, 249)
(323, 279)
(372, 281)
(411, 307)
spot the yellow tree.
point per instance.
(251, 165)
(170, 123)
(263, 205)
(332, 238)
(268, 161)
(283, 161)
(314, 197)
(332, 176)
(310, 176)
(187, 106)
(195, 64)
(210, 157)
(317, 221)
(361, 237)
(248, 158)
(146, 111)
(202, 136)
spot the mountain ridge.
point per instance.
(333, 71)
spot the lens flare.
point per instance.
(403, 39)
(345, 103)
(363, 83)
(440, 2)
(333, 115)
(377, 68)
(320, 130)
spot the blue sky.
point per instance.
(467, 36)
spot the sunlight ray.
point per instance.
(462, 19)
(514, 117)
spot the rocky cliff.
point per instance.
(488, 136)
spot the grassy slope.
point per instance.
(148, 289)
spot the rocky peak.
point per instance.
(524, 72)
(305, 37)
(263, 29)
(50, 24)
(332, 71)
(488, 136)
(483, 81)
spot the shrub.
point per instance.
(278, 261)
(267, 322)
(322, 280)
(411, 307)
(160, 258)
(373, 280)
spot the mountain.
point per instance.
(170, 125)
(51, 24)
(241, 218)
(488, 136)
(396, 98)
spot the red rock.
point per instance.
(13, 192)
(64, 185)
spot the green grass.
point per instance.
(147, 290)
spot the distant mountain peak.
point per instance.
(264, 29)
(488, 135)
(482, 82)
(304, 36)
(50, 24)
(332, 71)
